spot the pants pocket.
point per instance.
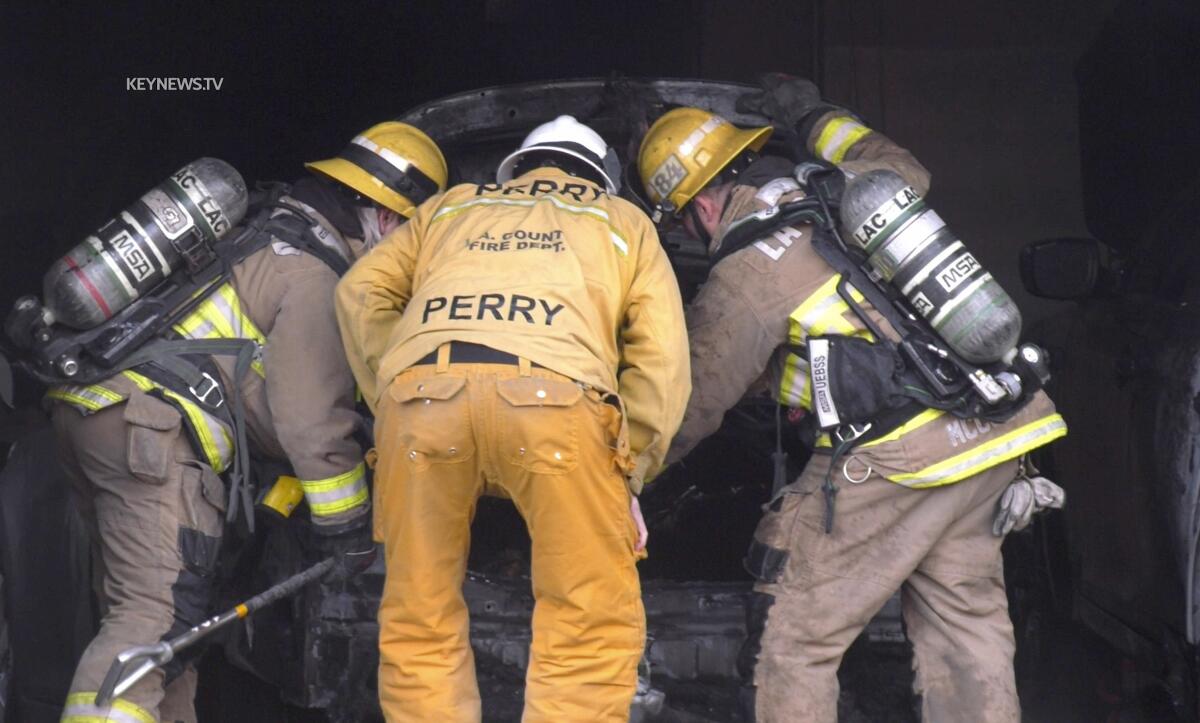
(539, 429)
(153, 428)
(774, 538)
(433, 422)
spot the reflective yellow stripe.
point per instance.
(838, 137)
(823, 312)
(215, 440)
(336, 494)
(987, 455)
(911, 425)
(65, 396)
(794, 388)
(81, 708)
(916, 422)
(221, 316)
(142, 382)
(590, 211)
(91, 399)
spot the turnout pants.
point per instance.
(155, 516)
(551, 445)
(816, 593)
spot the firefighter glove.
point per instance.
(350, 545)
(1025, 497)
(786, 100)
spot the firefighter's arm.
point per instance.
(371, 298)
(838, 137)
(731, 348)
(653, 381)
(310, 392)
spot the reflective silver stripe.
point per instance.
(214, 437)
(400, 163)
(336, 494)
(81, 708)
(204, 331)
(987, 455)
(597, 213)
(695, 137)
(838, 136)
(89, 399)
(911, 238)
(793, 388)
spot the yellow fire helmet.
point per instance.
(393, 164)
(684, 150)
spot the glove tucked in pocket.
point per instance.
(1024, 498)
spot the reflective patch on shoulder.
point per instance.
(774, 190)
(282, 248)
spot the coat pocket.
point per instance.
(540, 425)
(153, 428)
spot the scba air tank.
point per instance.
(143, 245)
(910, 246)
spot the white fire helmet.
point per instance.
(566, 135)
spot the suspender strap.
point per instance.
(296, 228)
(852, 273)
(166, 363)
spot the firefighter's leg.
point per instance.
(179, 697)
(555, 447)
(956, 614)
(817, 591)
(807, 608)
(426, 486)
(158, 519)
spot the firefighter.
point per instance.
(818, 586)
(146, 454)
(526, 335)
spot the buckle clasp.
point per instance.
(207, 388)
(852, 432)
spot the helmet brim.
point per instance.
(347, 173)
(504, 172)
(752, 139)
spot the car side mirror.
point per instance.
(1063, 268)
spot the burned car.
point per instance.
(318, 650)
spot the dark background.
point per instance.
(982, 91)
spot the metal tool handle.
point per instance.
(288, 587)
(149, 657)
